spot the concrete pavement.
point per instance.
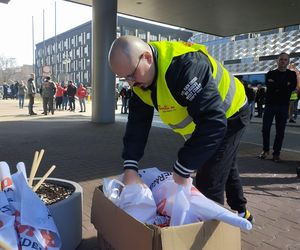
(86, 152)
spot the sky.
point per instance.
(16, 24)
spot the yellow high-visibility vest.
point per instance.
(294, 96)
(173, 114)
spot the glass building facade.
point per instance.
(253, 52)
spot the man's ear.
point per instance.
(148, 56)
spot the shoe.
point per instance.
(247, 215)
(263, 155)
(33, 113)
(276, 158)
(80, 111)
(292, 121)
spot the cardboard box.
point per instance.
(119, 231)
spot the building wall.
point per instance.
(68, 55)
(253, 52)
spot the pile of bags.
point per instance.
(162, 202)
(25, 221)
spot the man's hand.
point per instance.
(131, 177)
(180, 180)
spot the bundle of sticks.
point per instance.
(35, 165)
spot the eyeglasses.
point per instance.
(131, 77)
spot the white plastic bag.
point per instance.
(8, 234)
(34, 225)
(186, 204)
(135, 199)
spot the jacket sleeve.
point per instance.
(137, 130)
(195, 88)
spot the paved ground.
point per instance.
(86, 152)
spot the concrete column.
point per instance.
(104, 24)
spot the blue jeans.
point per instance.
(65, 102)
(21, 101)
(280, 112)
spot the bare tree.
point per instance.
(7, 68)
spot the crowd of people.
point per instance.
(54, 95)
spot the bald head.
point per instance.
(124, 53)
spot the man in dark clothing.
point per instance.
(31, 91)
(48, 92)
(185, 85)
(280, 84)
(260, 99)
(123, 95)
(71, 92)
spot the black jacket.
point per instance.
(280, 86)
(206, 109)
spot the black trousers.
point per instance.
(280, 112)
(30, 104)
(220, 173)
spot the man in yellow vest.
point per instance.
(293, 106)
(199, 99)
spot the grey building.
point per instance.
(67, 56)
(253, 52)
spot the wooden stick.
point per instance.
(4, 246)
(33, 171)
(44, 178)
(37, 165)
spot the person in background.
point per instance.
(5, 91)
(65, 98)
(48, 93)
(123, 94)
(31, 91)
(22, 89)
(295, 94)
(260, 100)
(82, 94)
(59, 96)
(185, 85)
(71, 92)
(116, 96)
(280, 83)
(292, 106)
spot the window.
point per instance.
(269, 32)
(241, 37)
(291, 28)
(252, 78)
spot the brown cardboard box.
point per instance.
(119, 231)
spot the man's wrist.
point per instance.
(182, 171)
(131, 164)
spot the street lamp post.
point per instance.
(65, 63)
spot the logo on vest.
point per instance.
(191, 89)
(165, 108)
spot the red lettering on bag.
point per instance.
(6, 182)
(28, 229)
(161, 207)
(49, 238)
